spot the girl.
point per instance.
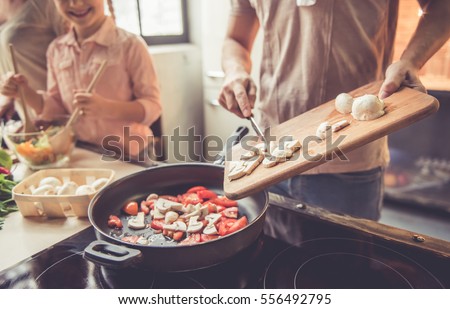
(126, 98)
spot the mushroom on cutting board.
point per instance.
(339, 125)
(321, 131)
(367, 107)
(344, 103)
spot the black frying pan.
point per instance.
(171, 179)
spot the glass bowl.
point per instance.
(35, 149)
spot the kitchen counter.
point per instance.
(22, 237)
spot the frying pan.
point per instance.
(161, 255)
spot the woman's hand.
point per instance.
(91, 104)
(238, 94)
(10, 84)
(400, 73)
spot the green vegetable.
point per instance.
(7, 204)
(5, 159)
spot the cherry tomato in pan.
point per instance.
(239, 224)
(205, 238)
(196, 189)
(191, 239)
(178, 235)
(157, 224)
(212, 208)
(144, 208)
(206, 194)
(131, 208)
(224, 201)
(190, 198)
(114, 222)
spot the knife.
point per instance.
(258, 131)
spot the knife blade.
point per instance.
(258, 131)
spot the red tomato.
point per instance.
(220, 208)
(144, 208)
(211, 206)
(190, 198)
(239, 224)
(207, 194)
(114, 222)
(224, 201)
(224, 225)
(131, 208)
(157, 224)
(196, 189)
(231, 212)
(191, 239)
(150, 203)
(206, 238)
(169, 197)
(178, 235)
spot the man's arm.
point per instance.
(431, 34)
(239, 91)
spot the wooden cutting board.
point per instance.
(402, 109)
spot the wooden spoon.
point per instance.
(28, 125)
(62, 140)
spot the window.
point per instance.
(157, 21)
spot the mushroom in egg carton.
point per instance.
(60, 192)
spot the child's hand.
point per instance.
(10, 84)
(90, 103)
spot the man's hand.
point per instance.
(238, 94)
(10, 84)
(400, 73)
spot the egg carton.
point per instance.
(58, 205)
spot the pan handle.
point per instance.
(110, 255)
(235, 138)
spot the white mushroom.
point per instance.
(343, 103)
(210, 230)
(248, 155)
(237, 170)
(84, 190)
(152, 196)
(367, 107)
(99, 183)
(194, 226)
(213, 218)
(251, 164)
(156, 214)
(171, 216)
(69, 188)
(281, 155)
(162, 206)
(322, 130)
(293, 145)
(142, 241)
(44, 190)
(340, 125)
(267, 162)
(176, 226)
(52, 181)
(138, 222)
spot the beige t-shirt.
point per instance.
(313, 53)
(30, 31)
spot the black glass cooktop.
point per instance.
(296, 250)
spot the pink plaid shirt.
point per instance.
(129, 76)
